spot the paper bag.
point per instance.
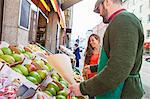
(62, 64)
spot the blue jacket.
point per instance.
(77, 53)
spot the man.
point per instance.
(121, 58)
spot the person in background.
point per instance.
(92, 55)
(120, 62)
(77, 54)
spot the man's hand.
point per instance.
(75, 88)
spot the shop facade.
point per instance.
(1, 16)
(27, 21)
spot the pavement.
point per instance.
(145, 75)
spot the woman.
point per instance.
(91, 55)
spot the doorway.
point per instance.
(41, 30)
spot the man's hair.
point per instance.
(118, 1)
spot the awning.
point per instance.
(146, 45)
(42, 5)
(60, 13)
(68, 3)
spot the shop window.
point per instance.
(24, 14)
(148, 34)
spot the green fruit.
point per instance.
(31, 56)
(55, 78)
(21, 50)
(47, 92)
(64, 83)
(36, 75)
(52, 85)
(6, 50)
(32, 79)
(52, 91)
(60, 97)
(49, 66)
(26, 55)
(17, 57)
(40, 62)
(1, 52)
(62, 92)
(45, 67)
(17, 70)
(23, 69)
(9, 59)
(1, 60)
(73, 97)
(55, 75)
(42, 73)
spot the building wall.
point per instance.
(1, 16)
(141, 8)
(11, 33)
(69, 21)
(52, 31)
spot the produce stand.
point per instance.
(68, 52)
(24, 74)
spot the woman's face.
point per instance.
(94, 42)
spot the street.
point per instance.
(145, 75)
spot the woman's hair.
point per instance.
(90, 49)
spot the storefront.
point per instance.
(1, 16)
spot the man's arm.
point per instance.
(123, 47)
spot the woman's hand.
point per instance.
(86, 71)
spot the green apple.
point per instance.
(62, 92)
(49, 66)
(1, 52)
(32, 79)
(31, 56)
(40, 62)
(55, 78)
(17, 57)
(53, 85)
(6, 50)
(36, 75)
(21, 50)
(52, 91)
(17, 70)
(64, 83)
(47, 92)
(23, 69)
(55, 75)
(41, 73)
(9, 59)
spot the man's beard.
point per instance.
(105, 17)
(105, 20)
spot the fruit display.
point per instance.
(8, 55)
(53, 90)
(34, 69)
(35, 48)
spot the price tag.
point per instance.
(27, 61)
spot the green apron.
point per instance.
(115, 93)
